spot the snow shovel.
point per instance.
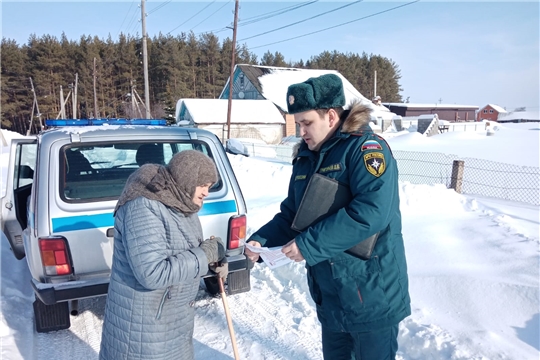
(228, 316)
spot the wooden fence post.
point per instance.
(457, 175)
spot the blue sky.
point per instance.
(459, 52)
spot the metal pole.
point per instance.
(145, 63)
(231, 80)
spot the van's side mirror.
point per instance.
(184, 123)
(235, 147)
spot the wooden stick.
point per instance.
(228, 316)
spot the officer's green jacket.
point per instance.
(351, 294)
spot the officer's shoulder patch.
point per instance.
(371, 145)
(375, 163)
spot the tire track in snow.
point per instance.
(81, 340)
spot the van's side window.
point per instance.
(99, 172)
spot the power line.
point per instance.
(206, 18)
(133, 22)
(301, 21)
(335, 26)
(191, 17)
(260, 17)
(125, 17)
(158, 7)
(271, 14)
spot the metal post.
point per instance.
(456, 182)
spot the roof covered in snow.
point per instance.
(431, 106)
(519, 115)
(272, 82)
(497, 108)
(214, 111)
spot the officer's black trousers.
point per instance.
(373, 345)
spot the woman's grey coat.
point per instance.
(156, 270)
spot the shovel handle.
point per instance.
(228, 316)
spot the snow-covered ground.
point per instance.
(473, 269)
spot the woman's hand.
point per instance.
(251, 255)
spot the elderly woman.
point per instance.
(159, 257)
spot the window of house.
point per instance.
(485, 111)
(491, 111)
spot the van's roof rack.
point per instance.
(89, 122)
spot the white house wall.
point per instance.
(269, 133)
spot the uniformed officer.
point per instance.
(360, 299)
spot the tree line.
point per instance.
(110, 75)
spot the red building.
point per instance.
(449, 112)
(490, 112)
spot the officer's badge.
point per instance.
(375, 163)
(291, 99)
(371, 145)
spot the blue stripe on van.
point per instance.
(218, 207)
(83, 222)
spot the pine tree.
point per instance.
(16, 97)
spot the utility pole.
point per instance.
(132, 98)
(62, 104)
(96, 115)
(375, 85)
(37, 108)
(145, 63)
(74, 96)
(136, 103)
(231, 80)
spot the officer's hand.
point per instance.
(251, 255)
(292, 252)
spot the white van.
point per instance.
(62, 188)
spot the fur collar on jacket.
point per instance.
(352, 121)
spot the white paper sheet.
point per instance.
(273, 257)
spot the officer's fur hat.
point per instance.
(323, 92)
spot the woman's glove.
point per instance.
(213, 249)
(221, 269)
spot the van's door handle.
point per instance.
(110, 232)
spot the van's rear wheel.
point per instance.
(212, 285)
(51, 317)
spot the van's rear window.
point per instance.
(99, 172)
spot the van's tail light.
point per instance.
(54, 256)
(237, 232)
